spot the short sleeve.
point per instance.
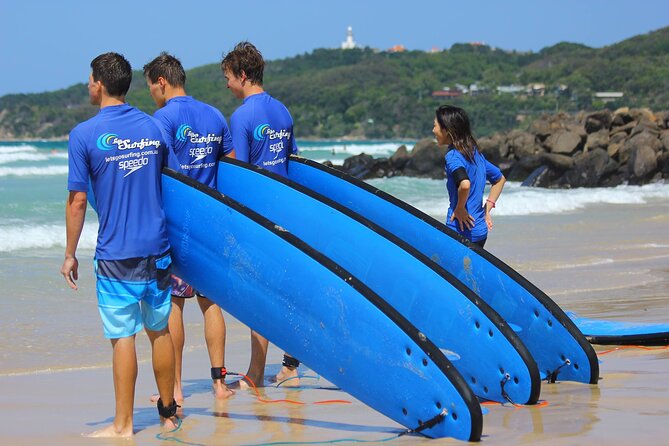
(78, 165)
(163, 122)
(169, 158)
(454, 161)
(492, 172)
(240, 138)
(227, 138)
(293, 146)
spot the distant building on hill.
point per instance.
(446, 93)
(609, 96)
(536, 89)
(397, 49)
(349, 43)
(476, 89)
(511, 89)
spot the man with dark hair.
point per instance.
(262, 134)
(121, 151)
(198, 136)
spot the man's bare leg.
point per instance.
(256, 372)
(162, 348)
(125, 375)
(178, 335)
(214, 335)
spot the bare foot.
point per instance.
(170, 424)
(288, 377)
(111, 432)
(221, 391)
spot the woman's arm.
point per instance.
(495, 192)
(465, 220)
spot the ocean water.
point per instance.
(578, 245)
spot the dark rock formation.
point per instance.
(596, 149)
(426, 160)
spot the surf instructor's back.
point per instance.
(121, 151)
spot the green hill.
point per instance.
(363, 93)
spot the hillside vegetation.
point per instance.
(363, 93)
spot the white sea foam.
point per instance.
(22, 237)
(33, 171)
(518, 200)
(430, 196)
(17, 149)
(27, 153)
(22, 156)
(384, 149)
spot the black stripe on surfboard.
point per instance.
(501, 324)
(542, 297)
(644, 339)
(428, 347)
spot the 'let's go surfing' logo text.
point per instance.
(185, 133)
(264, 131)
(131, 161)
(111, 141)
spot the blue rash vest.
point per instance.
(198, 136)
(478, 172)
(121, 152)
(262, 133)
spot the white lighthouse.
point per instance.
(349, 43)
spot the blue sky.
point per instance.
(47, 45)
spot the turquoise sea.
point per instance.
(33, 182)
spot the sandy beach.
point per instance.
(604, 261)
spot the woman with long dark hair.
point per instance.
(467, 172)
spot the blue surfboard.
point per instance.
(276, 284)
(490, 355)
(556, 344)
(608, 332)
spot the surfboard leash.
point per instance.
(552, 377)
(421, 427)
(161, 435)
(263, 400)
(339, 440)
(502, 383)
(426, 425)
(539, 404)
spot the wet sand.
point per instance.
(605, 262)
(628, 406)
